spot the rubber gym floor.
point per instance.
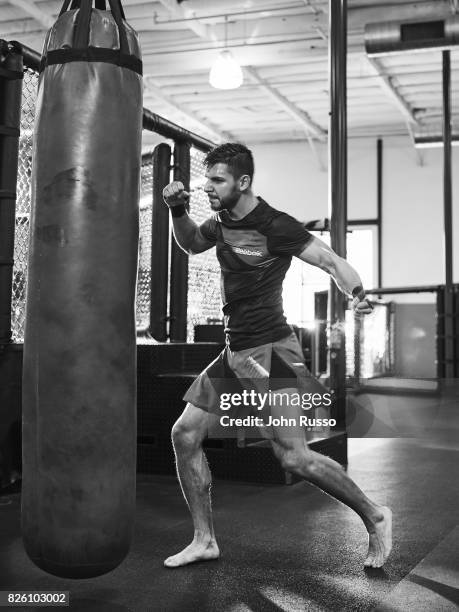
(285, 548)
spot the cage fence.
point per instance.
(351, 355)
(204, 305)
(397, 344)
(23, 190)
(370, 342)
(143, 301)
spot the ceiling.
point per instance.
(283, 48)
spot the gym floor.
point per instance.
(284, 548)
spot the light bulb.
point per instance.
(225, 72)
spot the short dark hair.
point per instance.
(235, 155)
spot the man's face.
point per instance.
(222, 189)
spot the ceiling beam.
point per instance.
(358, 16)
(202, 58)
(22, 27)
(212, 130)
(29, 7)
(259, 15)
(179, 12)
(206, 32)
(389, 88)
(299, 115)
(201, 8)
(411, 119)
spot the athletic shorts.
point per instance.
(262, 372)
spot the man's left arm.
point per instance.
(319, 254)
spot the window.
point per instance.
(302, 280)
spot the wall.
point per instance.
(287, 175)
(415, 344)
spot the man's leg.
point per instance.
(291, 448)
(193, 472)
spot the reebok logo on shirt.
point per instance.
(243, 251)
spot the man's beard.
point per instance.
(227, 203)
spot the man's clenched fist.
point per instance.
(361, 306)
(174, 194)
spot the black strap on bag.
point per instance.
(82, 23)
(65, 6)
(81, 50)
(118, 14)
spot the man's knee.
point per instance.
(297, 460)
(187, 432)
(184, 436)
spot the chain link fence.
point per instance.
(204, 303)
(23, 189)
(143, 302)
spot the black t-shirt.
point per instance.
(254, 255)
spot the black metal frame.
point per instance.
(179, 259)
(159, 244)
(441, 291)
(450, 365)
(379, 204)
(338, 196)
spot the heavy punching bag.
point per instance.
(79, 375)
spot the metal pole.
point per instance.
(159, 244)
(179, 259)
(11, 75)
(166, 128)
(401, 290)
(440, 333)
(358, 330)
(448, 220)
(338, 196)
(379, 179)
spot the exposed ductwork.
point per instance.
(398, 36)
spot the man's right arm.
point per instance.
(187, 233)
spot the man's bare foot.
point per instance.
(196, 551)
(380, 540)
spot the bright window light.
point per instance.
(302, 280)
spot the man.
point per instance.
(255, 244)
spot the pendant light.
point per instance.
(225, 72)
